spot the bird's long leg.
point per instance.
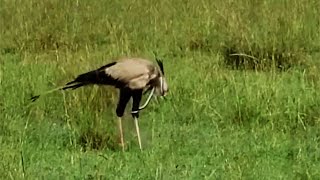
(148, 100)
(123, 100)
(136, 123)
(121, 132)
(136, 97)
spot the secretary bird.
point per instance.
(132, 76)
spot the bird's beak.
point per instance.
(164, 93)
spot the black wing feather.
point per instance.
(97, 76)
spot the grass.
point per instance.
(219, 121)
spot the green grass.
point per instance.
(216, 123)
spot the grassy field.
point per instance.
(244, 89)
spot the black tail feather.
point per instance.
(92, 77)
(97, 76)
(71, 82)
(34, 98)
(87, 78)
(75, 86)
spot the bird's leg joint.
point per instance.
(135, 114)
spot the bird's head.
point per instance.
(161, 86)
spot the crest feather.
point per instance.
(160, 64)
